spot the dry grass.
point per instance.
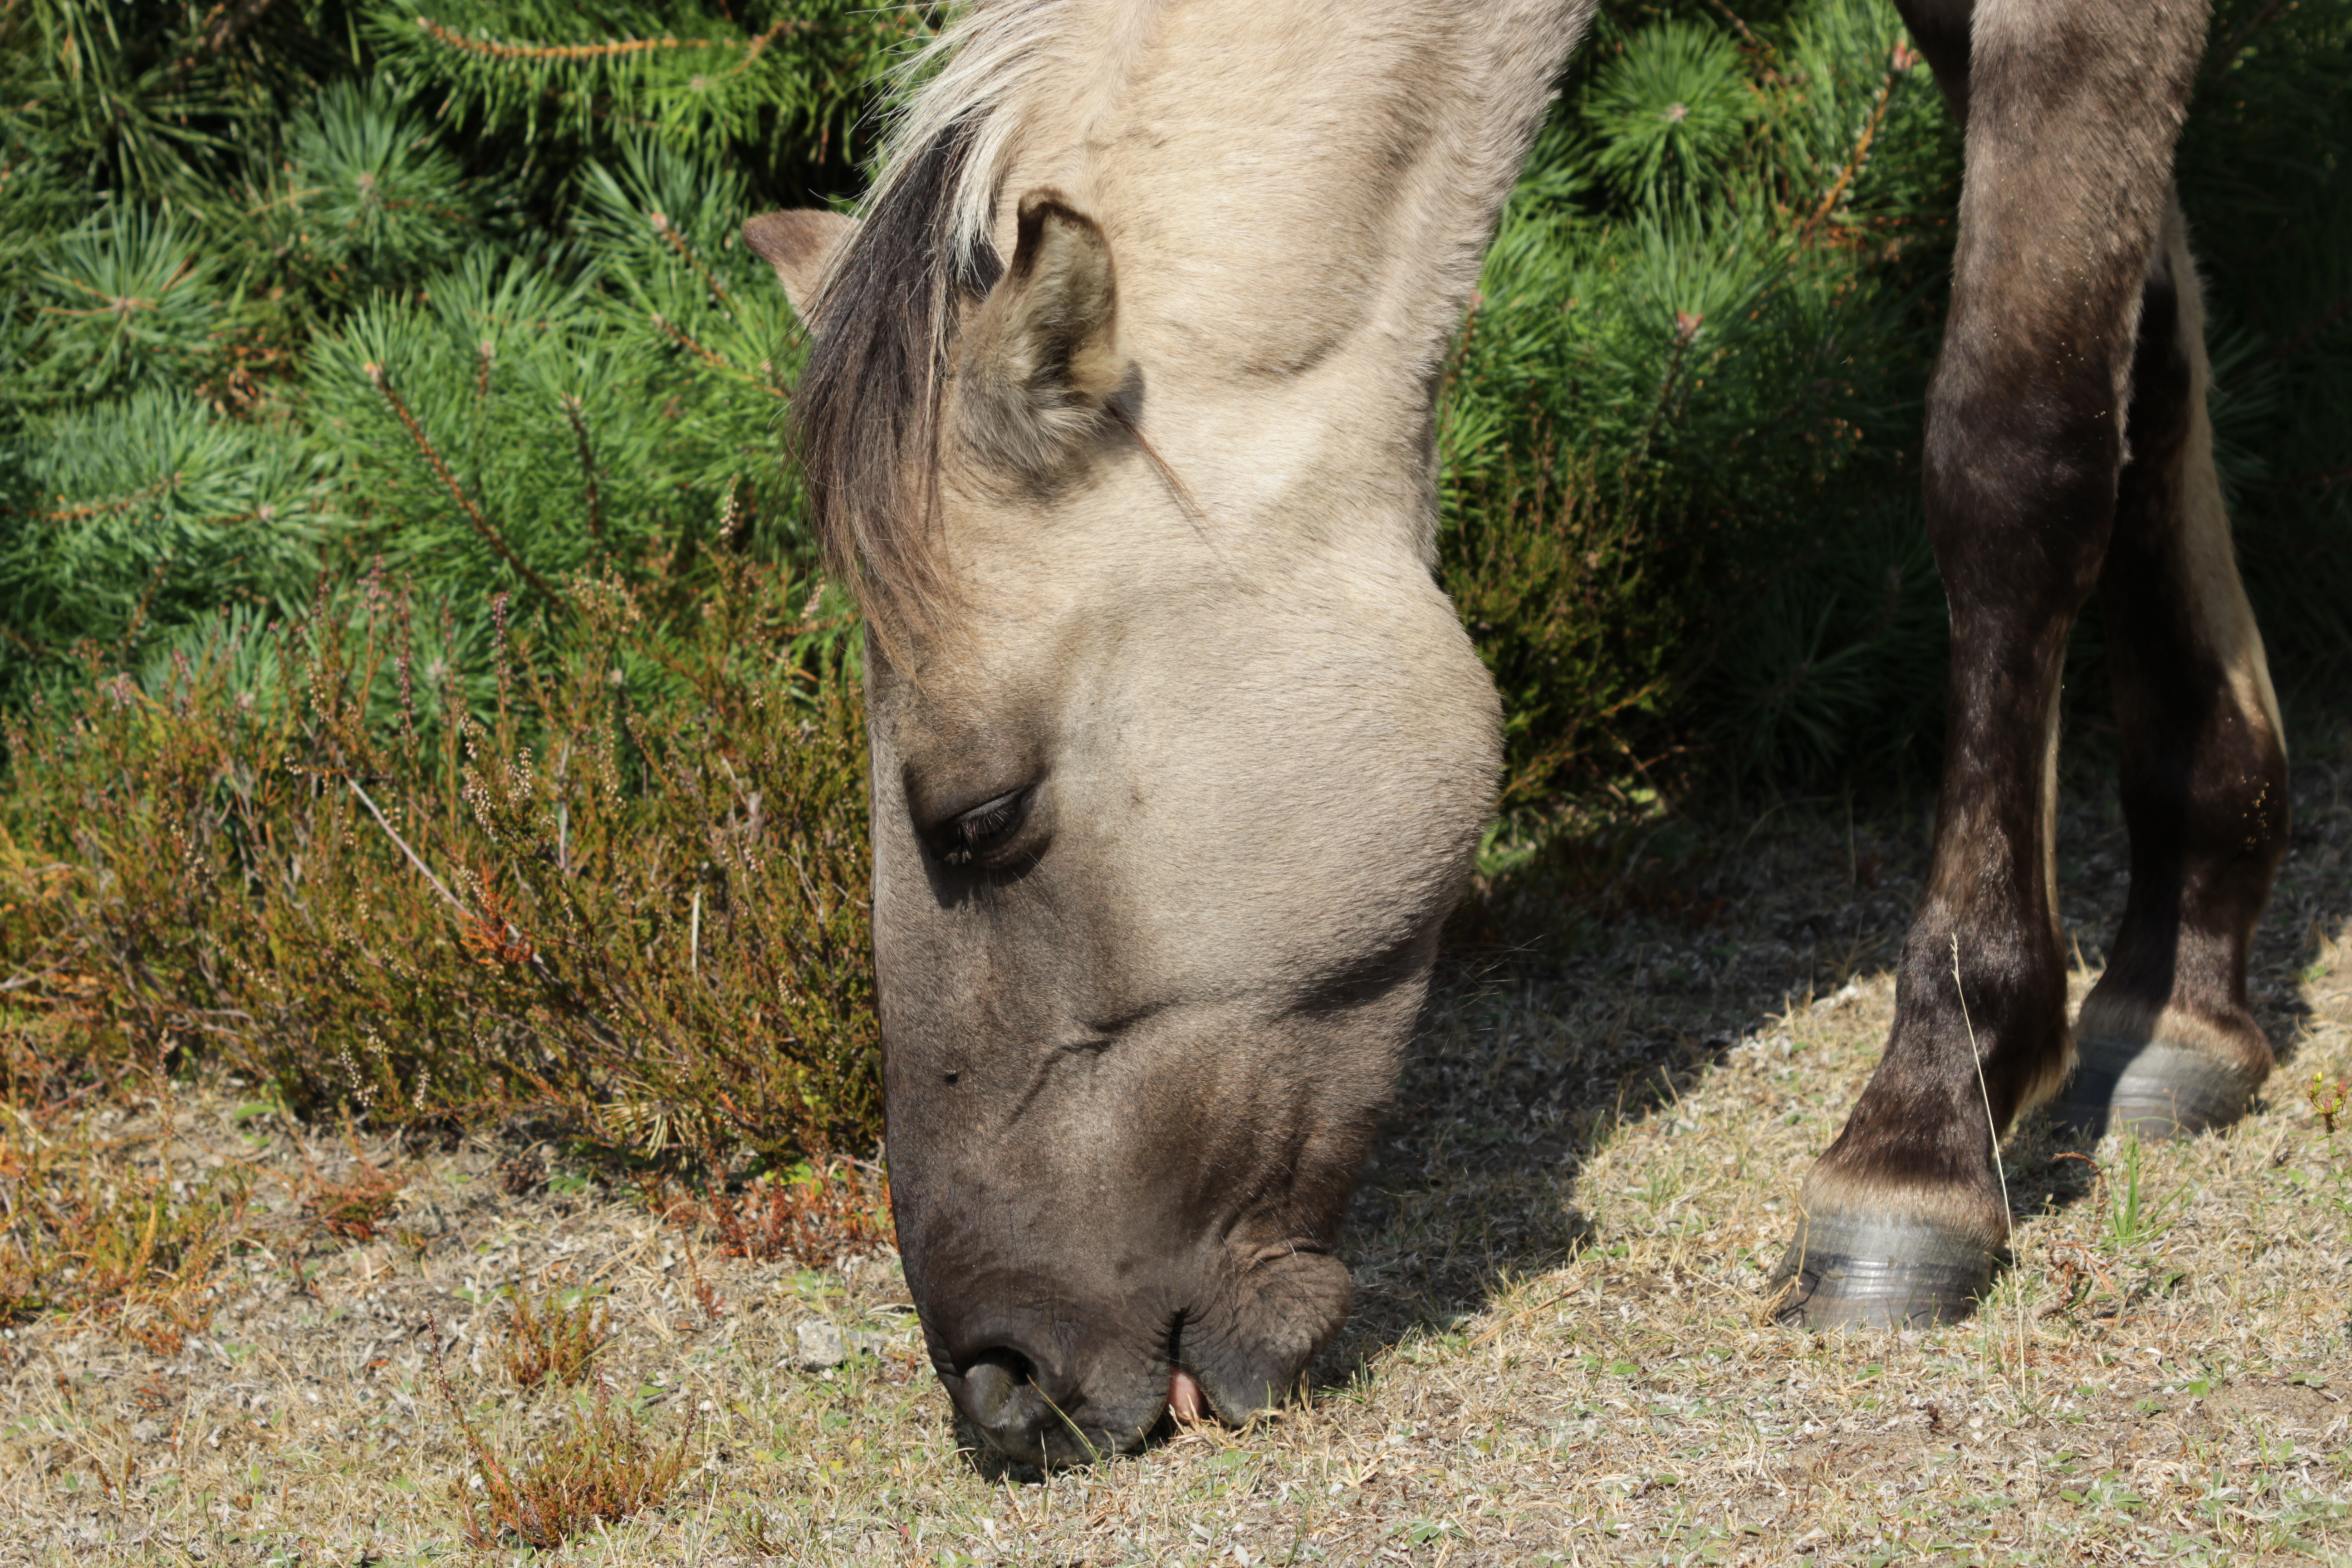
(110, 1230)
(1559, 1354)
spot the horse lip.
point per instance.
(1206, 1408)
(1195, 1396)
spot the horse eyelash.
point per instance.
(974, 830)
(978, 829)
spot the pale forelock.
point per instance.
(968, 74)
(867, 405)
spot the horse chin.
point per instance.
(1247, 1354)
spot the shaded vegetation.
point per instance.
(1682, 430)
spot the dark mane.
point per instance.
(868, 408)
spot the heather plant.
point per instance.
(553, 1335)
(597, 1467)
(630, 898)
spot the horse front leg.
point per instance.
(2072, 108)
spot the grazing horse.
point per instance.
(1121, 414)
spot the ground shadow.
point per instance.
(1591, 992)
(1670, 943)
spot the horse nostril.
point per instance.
(993, 1385)
(1017, 1399)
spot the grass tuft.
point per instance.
(353, 1205)
(600, 1467)
(556, 1336)
(2135, 1215)
(2329, 1099)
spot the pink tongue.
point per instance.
(1185, 1400)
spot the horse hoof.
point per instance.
(1848, 1271)
(2147, 1087)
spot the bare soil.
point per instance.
(1560, 1352)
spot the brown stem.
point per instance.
(1746, 36)
(1854, 161)
(450, 39)
(686, 340)
(588, 473)
(2310, 330)
(223, 25)
(401, 844)
(668, 231)
(2227, 54)
(2326, 479)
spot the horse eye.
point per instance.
(984, 827)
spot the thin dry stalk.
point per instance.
(1992, 1131)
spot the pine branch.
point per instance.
(120, 506)
(2300, 339)
(588, 473)
(1747, 39)
(2227, 54)
(1901, 60)
(668, 231)
(707, 355)
(221, 26)
(2325, 479)
(481, 525)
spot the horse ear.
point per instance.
(801, 245)
(1042, 356)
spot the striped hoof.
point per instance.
(1850, 1271)
(2147, 1087)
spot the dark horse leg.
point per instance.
(2166, 1042)
(2074, 327)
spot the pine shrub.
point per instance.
(458, 290)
